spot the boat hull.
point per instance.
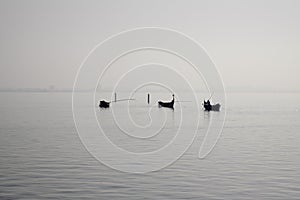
(166, 104)
(104, 104)
(215, 107)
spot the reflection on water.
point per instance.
(257, 156)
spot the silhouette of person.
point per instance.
(207, 105)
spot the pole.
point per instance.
(148, 98)
(115, 97)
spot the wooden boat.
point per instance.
(208, 107)
(104, 104)
(167, 104)
(216, 107)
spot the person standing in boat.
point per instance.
(208, 102)
(207, 105)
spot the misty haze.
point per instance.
(149, 99)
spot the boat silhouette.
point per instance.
(208, 107)
(167, 104)
(106, 104)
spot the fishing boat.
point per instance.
(208, 107)
(104, 104)
(167, 104)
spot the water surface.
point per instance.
(257, 156)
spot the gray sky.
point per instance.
(255, 44)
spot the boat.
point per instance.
(216, 107)
(104, 104)
(208, 107)
(167, 104)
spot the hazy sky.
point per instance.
(255, 44)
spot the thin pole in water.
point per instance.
(148, 98)
(115, 97)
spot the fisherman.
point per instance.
(208, 105)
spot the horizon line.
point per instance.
(230, 90)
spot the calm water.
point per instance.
(257, 156)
